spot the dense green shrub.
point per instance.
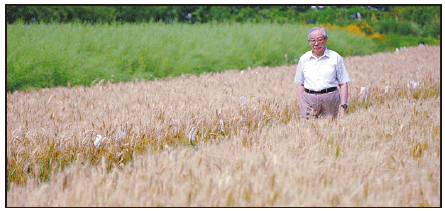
(99, 42)
(40, 55)
(422, 15)
(397, 27)
(428, 17)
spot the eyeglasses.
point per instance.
(319, 40)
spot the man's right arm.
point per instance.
(300, 90)
(299, 77)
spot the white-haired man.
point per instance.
(319, 73)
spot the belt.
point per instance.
(322, 91)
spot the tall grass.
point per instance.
(41, 55)
(384, 153)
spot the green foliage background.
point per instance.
(427, 18)
(50, 46)
(47, 56)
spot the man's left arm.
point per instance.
(343, 79)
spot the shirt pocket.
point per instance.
(308, 71)
(328, 71)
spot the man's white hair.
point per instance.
(325, 33)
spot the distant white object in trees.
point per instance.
(397, 49)
(386, 89)
(98, 141)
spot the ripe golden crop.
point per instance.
(193, 140)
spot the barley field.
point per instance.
(231, 139)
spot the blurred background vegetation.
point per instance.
(404, 20)
(49, 46)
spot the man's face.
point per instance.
(317, 42)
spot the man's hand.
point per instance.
(343, 111)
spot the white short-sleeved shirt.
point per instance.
(318, 74)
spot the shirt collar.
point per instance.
(325, 53)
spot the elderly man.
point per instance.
(318, 74)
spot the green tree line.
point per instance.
(201, 14)
(108, 14)
(387, 18)
(426, 17)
